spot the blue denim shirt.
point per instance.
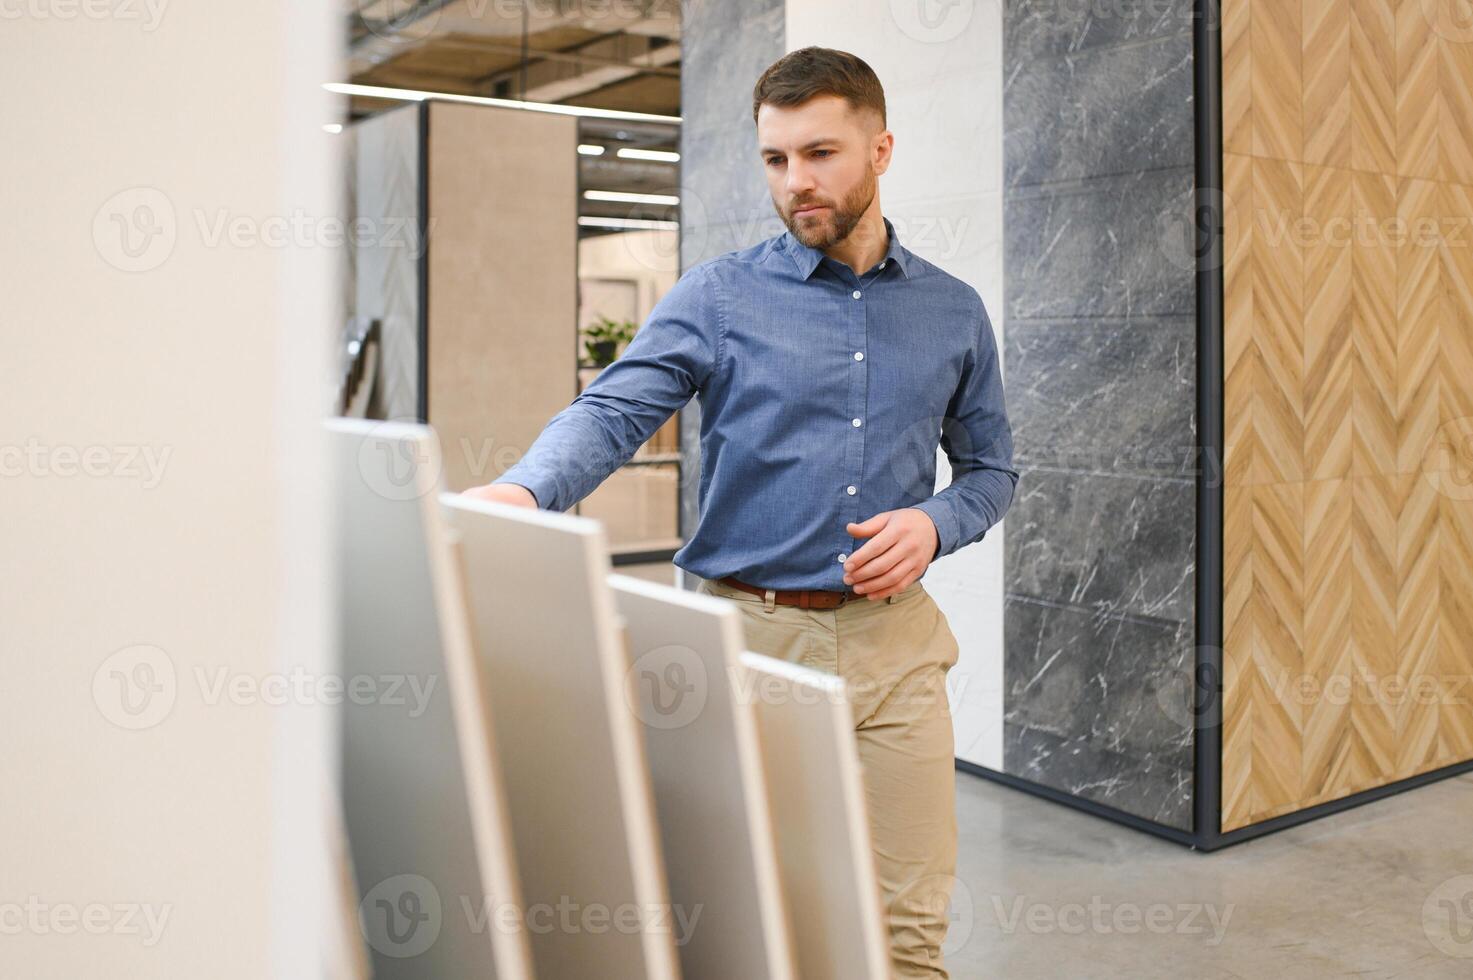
(823, 395)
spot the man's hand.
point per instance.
(504, 493)
(900, 547)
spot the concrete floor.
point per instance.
(1383, 890)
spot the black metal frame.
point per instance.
(1206, 834)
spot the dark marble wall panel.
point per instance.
(1104, 110)
(1101, 247)
(1103, 395)
(1105, 543)
(1096, 707)
(1101, 375)
(724, 48)
(1044, 27)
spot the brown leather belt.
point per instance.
(802, 598)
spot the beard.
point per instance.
(830, 227)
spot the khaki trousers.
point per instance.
(893, 654)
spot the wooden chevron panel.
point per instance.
(1420, 315)
(1329, 205)
(1276, 42)
(1419, 598)
(1455, 273)
(1237, 77)
(1455, 95)
(1238, 704)
(1348, 398)
(1327, 91)
(1277, 270)
(1370, 752)
(1374, 337)
(1373, 86)
(1240, 348)
(1455, 625)
(1418, 92)
(1329, 577)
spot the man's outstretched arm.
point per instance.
(670, 358)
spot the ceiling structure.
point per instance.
(621, 55)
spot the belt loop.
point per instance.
(769, 600)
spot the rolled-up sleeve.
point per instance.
(670, 358)
(978, 442)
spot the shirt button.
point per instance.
(859, 355)
(852, 491)
(882, 265)
(842, 559)
(856, 294)
(857, 423)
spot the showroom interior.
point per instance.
(1213, 709)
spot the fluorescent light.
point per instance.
(591, 222)
(590, 149)
(332, 127)
(628, 198)
(633, 153)
(419, 95)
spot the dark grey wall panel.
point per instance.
(1095, 707)
(1099, 247)
(1101, 367)
(724, 48)
(1103, 395)
(1043, 27)
(1107, 544)
(1105, 110)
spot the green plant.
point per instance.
(602, 339)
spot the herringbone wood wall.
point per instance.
(1348, 335)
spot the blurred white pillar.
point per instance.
(167, 255)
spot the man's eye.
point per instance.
(822, 153)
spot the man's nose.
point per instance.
(800, 181)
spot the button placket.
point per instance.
(858, 328)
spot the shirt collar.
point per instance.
(807, 258)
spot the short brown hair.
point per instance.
(799, 75)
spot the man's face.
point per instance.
(819, 158)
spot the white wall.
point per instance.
(943, 90)
(160, 484)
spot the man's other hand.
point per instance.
(901, 545)
(504, 493)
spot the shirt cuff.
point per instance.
(939, 510)
(542, 490)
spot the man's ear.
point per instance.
(883, 150)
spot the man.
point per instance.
(830, 361)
